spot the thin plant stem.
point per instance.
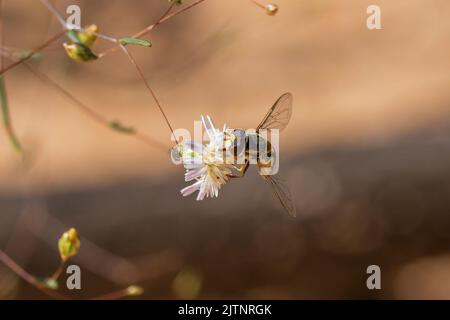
(166, 16)
(19, 271)
(3, 95)
(152, 26)
(259, 4)
(85, 109)
(33, 52)
(55, 276)
(97, 117)
(9, 262)
(155, 98)
(55, 12)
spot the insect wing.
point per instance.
(283, 193)
(279, 114)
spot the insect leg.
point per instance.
(241, 170)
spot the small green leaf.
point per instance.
(116, 125)
(135, 41)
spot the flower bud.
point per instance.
(69, 244)
(79, 52)
(271, 9)
(87, 37)
(134, 291)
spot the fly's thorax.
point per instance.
(239, 139)
(258, 149)
(257, 145)
(250, 146)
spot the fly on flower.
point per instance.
(229, 153)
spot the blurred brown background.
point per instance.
(367, 151)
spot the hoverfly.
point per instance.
(253, 144)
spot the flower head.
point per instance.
(205, 164)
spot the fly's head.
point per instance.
(239, 141)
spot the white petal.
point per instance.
(207, 128)
(201, 193)
(190, 189)
(195, 173)
(212, 127)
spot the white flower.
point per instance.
(205, 164)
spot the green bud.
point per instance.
(79, 52)
(69, 244)
(87, 37)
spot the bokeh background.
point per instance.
(367, 152)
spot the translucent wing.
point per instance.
(279, 114)
(282, 192)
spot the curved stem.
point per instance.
(58, 271)
(259, 4)
(55, 12)
(18, 270)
